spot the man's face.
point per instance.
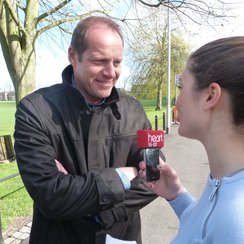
(100, 64)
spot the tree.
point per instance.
(149, 79)
(150, 47)
(149, 58)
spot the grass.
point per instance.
(14, 199)
(149, 106)
(7, 111)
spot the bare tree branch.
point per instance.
(196, 6)
(150, 5)
(53, 10)
(15, 17)
(57, 23)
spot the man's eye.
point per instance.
(98, 61)
(117, 63)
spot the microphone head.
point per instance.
(150, 139)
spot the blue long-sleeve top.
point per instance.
(216, 217)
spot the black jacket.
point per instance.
(90, 201)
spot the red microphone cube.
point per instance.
(150, 138)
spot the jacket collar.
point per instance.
(110, 101)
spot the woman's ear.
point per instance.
(213, 95)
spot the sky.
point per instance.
(51, 59)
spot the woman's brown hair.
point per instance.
(222, 61)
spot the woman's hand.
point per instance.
(168, 186)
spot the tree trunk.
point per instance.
(18, 46)
(25, 84)
(25, 72)
(159, 96)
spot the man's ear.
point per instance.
(213, 95)
(71, 55)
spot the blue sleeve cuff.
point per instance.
(181, 203)
(125, 180)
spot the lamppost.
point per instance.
(168, 109)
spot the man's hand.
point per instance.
(130, 172)
(60, 167)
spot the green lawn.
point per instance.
(7, 111)
(14, 199)
(149, 106)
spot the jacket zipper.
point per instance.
(211, 197)
(215, 189)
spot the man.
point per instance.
(75, 146)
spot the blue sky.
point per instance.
(51, 59)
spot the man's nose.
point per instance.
(109, 70)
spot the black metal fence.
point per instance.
(2, 180)
(6, 148)
(163, 122)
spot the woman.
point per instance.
(211, 109)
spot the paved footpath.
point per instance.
(159, 223)
(20, 236)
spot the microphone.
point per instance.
(151, 141)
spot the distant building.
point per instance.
(7, 96)
(11, 96)
(3, 96)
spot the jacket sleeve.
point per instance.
(135, 199)
(57, 195)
